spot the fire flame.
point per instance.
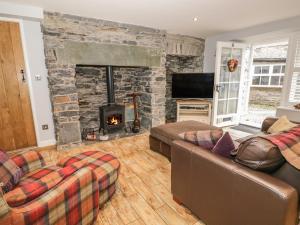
(114, 120)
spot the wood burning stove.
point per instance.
(112, 116)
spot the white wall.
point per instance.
(33, 47)
(265, 31)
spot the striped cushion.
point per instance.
(10, 173)
(29, 161)
(204, 138)
(105, 166)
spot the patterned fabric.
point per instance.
(29, 161)
(38, 183)
(288, 143)
(224, 146)
(204, 138)
(105, 166)
(74, 201)
(282, 124)
(106, 194)
(10, 173)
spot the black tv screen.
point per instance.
(193, 85)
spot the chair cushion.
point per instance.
(259, 154)
(29, 161)
(204, 138)
(105, 166)
(10, 173)
(169, 132)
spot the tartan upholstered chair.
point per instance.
(70, 192)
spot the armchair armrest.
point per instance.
(73, 201)
(29, 161)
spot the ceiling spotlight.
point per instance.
(195, 19)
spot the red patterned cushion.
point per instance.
(10, 173)
(224, 146)
(29, 161)
(39, 182)
(204, 138)
(105, 166)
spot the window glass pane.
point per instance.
(264, 80)
(265, 69)
(276, 69)
(255, 80)
(275, 80)
(283, 69)
(281, 80)
(257, 70)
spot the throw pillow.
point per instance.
(204, 138)
(10, 173)
(224, 146)
(282, 124)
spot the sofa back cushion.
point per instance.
(29, 161)
(204, 138)
(10, 173)
(259, 154)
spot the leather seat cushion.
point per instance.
(169, 132)
(259, 154)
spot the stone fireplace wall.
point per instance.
(70, 41)
(179, 64)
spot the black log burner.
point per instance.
(112, 116)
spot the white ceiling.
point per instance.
(176, 16)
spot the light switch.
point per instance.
(38, 77)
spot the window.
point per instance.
(295, 71)
(268, 75)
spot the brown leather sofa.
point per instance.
(222, 192)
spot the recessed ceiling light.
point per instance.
(195, 19)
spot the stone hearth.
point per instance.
(71, 41)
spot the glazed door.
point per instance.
(228, 80)
(16, 122)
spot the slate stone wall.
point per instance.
(179, 64)
(67, 38)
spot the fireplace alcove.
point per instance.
(102, 104)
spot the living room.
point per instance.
(133, 112)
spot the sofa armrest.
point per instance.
(220, 191)
(267, 123)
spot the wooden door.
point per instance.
(16, 122)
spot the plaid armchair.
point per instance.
(50, 195)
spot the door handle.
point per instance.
(218, 88)
(23, 75)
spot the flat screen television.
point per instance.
(193, 85)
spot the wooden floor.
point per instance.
(144, 194)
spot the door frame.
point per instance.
(28, 74)
(221, 44)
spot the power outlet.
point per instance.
(45, 127)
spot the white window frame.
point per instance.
(270, 74)
(289, 70)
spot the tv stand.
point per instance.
(195, 109)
